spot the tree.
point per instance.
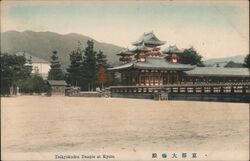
(247, 61)
(190, 56)
(89, 66)
(101, 60)
(75, 68)
(13, 70)
(55, 72)
(102, 76)
(113, 79)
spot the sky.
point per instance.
(214, 28)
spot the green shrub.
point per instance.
(34, 84)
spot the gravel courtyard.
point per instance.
(66, 124)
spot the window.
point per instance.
(182, 90)
(207, 89)
(238, 89)
(227, 89)
(175, 90)
(174, 60)
(216, 89)
(142, 60)
(198, 89)
(36, 69)
(190, 90)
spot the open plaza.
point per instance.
(60, 124)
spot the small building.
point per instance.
(226, 64)
(40, 66)
(232, 64)
(57, 87)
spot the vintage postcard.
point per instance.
(125, 80)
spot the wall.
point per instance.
(41, 68)
(187, 97)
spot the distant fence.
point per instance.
(75, 92)
(208, 92)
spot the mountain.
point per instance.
(225, 60)
(41, 45)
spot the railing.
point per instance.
(232, 89)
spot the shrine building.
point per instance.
(147, 65)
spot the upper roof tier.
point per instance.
(140, 48)
(125, 51)
(149, 40)
(172, 50)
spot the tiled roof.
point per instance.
(172, 49)
(57, 82)
(34, 59)
(154, 63)
(140, 48)
(148, 38)
(123, 66)
(161, 63)
(125, 52)
(218, 71)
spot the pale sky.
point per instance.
(213, 28)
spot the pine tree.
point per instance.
(101, 60)
(55, 72)
(74, 70)
(89, 66)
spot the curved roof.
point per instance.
(34, 59)
(125, 51)
(217, 71)
(140, 48)
(154, 63)
(161, 63)
(123, 66)
(172, 49)
(148, 39)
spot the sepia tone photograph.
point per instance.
(125, 80)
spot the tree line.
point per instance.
(16, 72)
(87, 70)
